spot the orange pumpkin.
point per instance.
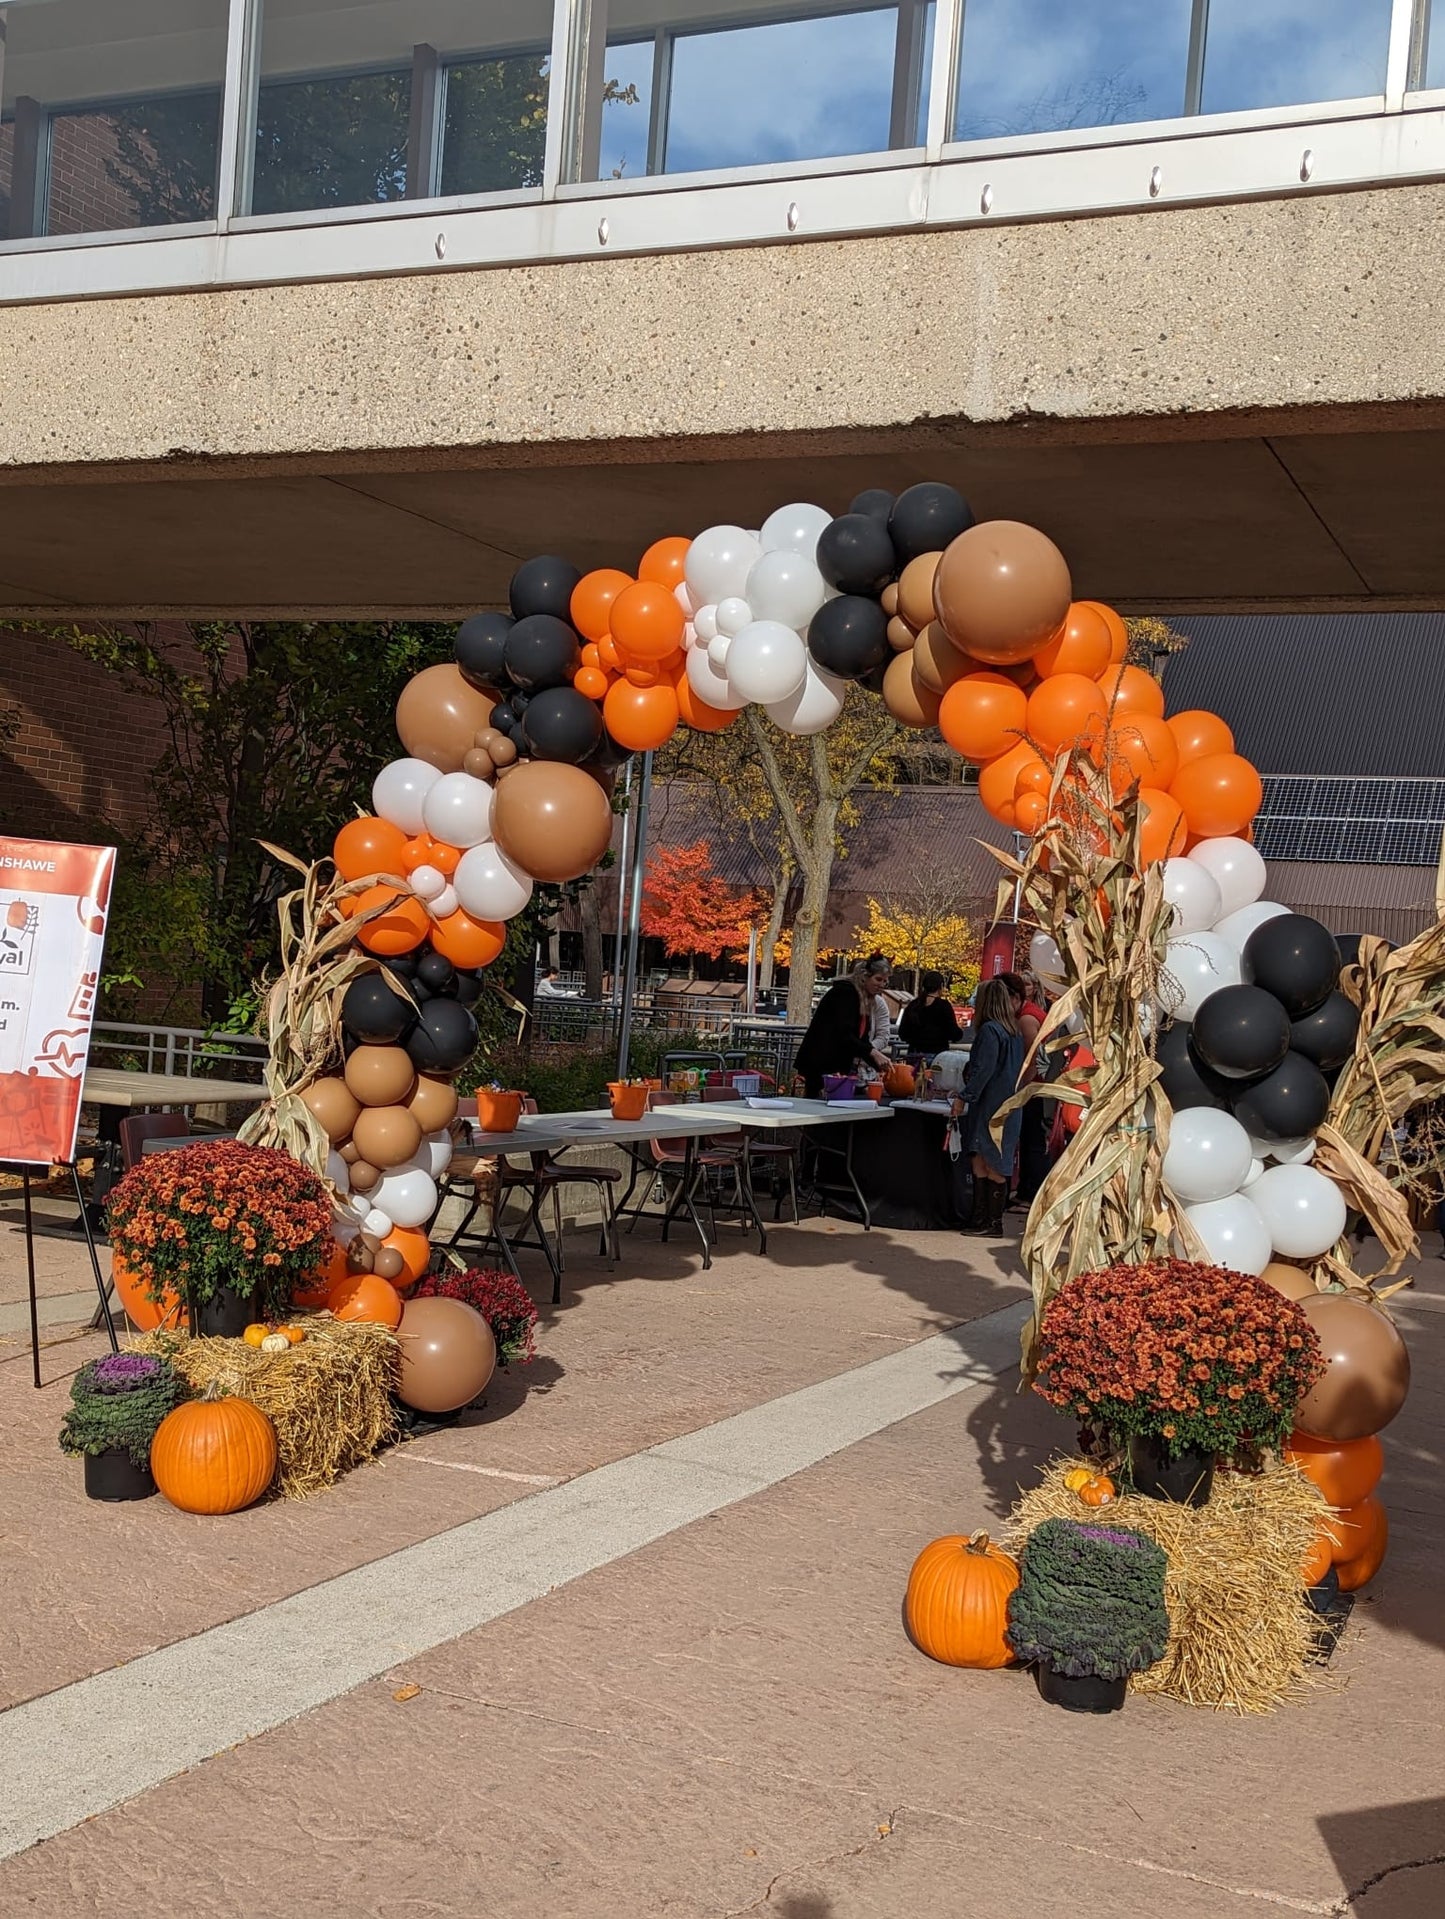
(1354, 1573)
(1355, 1529)
(1318, 1560)
(1345, 1470)
(1097, 1490)
(899, 1081)
(956, 1607)
(214, 1455)
(255, 1333)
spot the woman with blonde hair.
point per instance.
(841, 1034)
(992, 1079)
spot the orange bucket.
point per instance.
(498, 1112)
(628, 1102)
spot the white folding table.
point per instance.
(783, 1116)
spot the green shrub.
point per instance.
(1090, 1601)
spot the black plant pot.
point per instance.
(226, 1315)
(1085, 1693)
(1187, 1479)
(1324, 1597)
(113, 1474)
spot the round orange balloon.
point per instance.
(403, 925)
(696, 713)
(1036, 777)
(1356, 1572)
(365, 1297)
(647, 622)
(316, 1292)
(415, 1249)
(593, 598)
(367, 846)
(1083, 645)
(1345, 1470)
(1161, 825)
(591, 655)
(1132, 694)
(1144, 750)
(1030, 811)
(1118, 632)
(644, 675)
(143, 1312)
(1220, 794)
(1065, 711)
(640, 718)
(663, 561)
(997, 780)
(983, 715)
(1354, 1528)
(467, 942)
(417, 852)
(1198, 735)
(592, 681)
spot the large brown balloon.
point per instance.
(551, 820)
(332, 1103)
(388, 1263)
(1288, 1280)
(906, 699)
(364, 1175)
(1001, 590)
(447, 1355)
(936, 661)
(1368, 1372)
(381, 1076)
(434, 1103)
(439, 716)
(387, 1135)
(915, 590)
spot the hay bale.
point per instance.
(1240, 1631)
(329, 1398)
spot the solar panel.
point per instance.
(1369, 822)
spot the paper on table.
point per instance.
(771, 1104)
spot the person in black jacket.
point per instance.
(838, 1036)
(929, 1024)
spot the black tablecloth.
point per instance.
(910, 1181)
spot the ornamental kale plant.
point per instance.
(1090, 1601)
(119, 1401)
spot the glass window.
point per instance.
(111, 114)
(1432, 64)
(495, 130)
(1291, 52)
(1048, 66)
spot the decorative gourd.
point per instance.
(214, 1455)
(1345, 1470)
(1097, 1490)
(900, 1081)
(275, 1343)
(957, 1602)
(293, 1335)
(255, 1334)
(1077, 1477)
(1354, 1573)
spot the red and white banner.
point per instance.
(53, 905)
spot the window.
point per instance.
(1292, 52)
(495, 128)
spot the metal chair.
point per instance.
(774, 1151)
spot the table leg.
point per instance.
(853, 1178)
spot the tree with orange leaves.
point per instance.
(691, 910)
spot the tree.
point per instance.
(689, 909)
(917, 936)
(1153, 643)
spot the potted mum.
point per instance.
(116, 1404)
(503, 1302)
(1088, 1610)
(1183, 1363)
(230, 1230)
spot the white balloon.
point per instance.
(399, 789)
(766, 662)
(1045, 959)
(436, 1153)
(1199, 964)
(443, 904)
(1285, 1152)
(689, 637)
(815, 705)
(355, 1208)
(488, 885)
(1238, 871)
(794, 529)
(1237, 927)
(377, 1223)
(709, 681)
(1256, 1171)
(1208, 1156)
(1193, 892)
(406, 1195)
(428, 882)
(733, 614)
(717, 651)
(1233, 1232)
(682, 593)
(718, 563)
(458, 810)
(338, 1172)
(785, 586)
(705, 621)
(1303, 1211)
(345, 1232)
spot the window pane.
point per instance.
(626, 111)
(112, 114)
(331, 143)
(1432, 72)
(1046, 66)
(1290, 52)
(496, 124)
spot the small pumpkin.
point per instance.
(293, 1335)
(1077, 1477)
(255, 1333)
(956, 1607)
(1097, 1490)
(900, 1081)
(275, 1343)
(214, 1455)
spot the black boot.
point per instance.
(997, 1201)
(978, 1218)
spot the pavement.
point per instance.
(627, 1641)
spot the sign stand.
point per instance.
(103, 1316)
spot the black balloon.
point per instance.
(607, 755)
(421, 992)
(1296, 959)
(1349, 945)
(444, 1037)
(404, 965)
(1327, 1035)
(544, 585)
(876, 503)
(374, 1012)
(1241, 1032)
(542, 652)
(849, 636)
(1184, 1081)
(925, 518)
(1288, 1103)
(435, 970)
(562, 724)
(503, 718)
(481, 649)
(468, 988)
(855, 554)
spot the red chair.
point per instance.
(775, 1151)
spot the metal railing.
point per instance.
(191, 1052)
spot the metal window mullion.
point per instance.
(29, 169)
(908, 76)
(1408, 27)
(236, 158)
(1194, 62)
(423, 135)
(659, 112)
(574, 94)
(942, 81)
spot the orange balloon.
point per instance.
(590, 654)
(663, 561)
(1037, 777)
(640, 717)
(644, 676)
(1353, 1528)
(1132, 694)
(1066, 710)
(1161, 825)
(1198, 735)
(363, 1296)
(1118, 632)
(417, 852)
(1356, 1572)
(446, 859)
(315, 1291)
(143, 1312)
(593, 598)
(1220, 794)
(1144, 750)
(404, 924)
(1030, 811)
(1082, 646)
(997, 780)
(983, 715)
(647, 622)
(1345, 1470)
(415, 1249)
(592, 681)
(367, 846)
(696, 713)
(467, 942)
(608, 654)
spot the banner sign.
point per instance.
(53, 905)
(998, 949)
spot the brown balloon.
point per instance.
(359, 1256)
(387, 1135)
(936, 661)
(478, 762)
(433, 1104)
(503, 752)
(388, 1263)
(1368, 1371)
(438, 716)
(447, 1355)
(551, 820)
(915, 590)
(1289, 1280)
(349, 1152)
(380, 1076)
(332, 1103)
(888, 598)
(901, 636)
(906, 699)
(1001, 590)
(363, 1174)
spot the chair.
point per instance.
(775, 1151)
(550, 1175)
(137, 1128)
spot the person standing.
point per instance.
(929, 1024)
(991, 1080)
(840, 1033)
(1034, 1127)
